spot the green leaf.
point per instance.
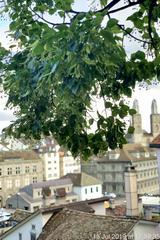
(131, 130)
(37, 48)
(132, 111)
(108, 104)
(112, 22)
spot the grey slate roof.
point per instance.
(76, 225)
(56, 182)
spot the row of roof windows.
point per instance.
(143, 154)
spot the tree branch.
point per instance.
(110, 5)
(131, 35)
(131, 4)
(43, 19)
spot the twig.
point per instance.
(51, 23)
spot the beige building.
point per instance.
(17, 169)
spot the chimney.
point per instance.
(130, 176)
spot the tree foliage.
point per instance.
(66, 58)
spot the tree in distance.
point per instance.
(67, 58)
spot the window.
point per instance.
(96, 189)
(26, 208)
(26, 169)
(34, 168)
(113, 167)
(20, 236)
(49, 162)
(0, 171)
(49, 168)
(34, 179)
(26, 181)
(33, 236)
(9, 171)
(17, 183)
(18, 170)
(91, 190)
(85, 190)
(33, 227)
(9, 184)
(35, 208)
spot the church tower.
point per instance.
(137, 124)
(155, 119)
(136, 119)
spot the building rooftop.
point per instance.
(75, 225)
(128, 153)
(19, 215)
(80, 206)
(156, 142)
(26, 155)
(56, 182)
(82, 179)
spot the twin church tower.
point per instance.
(140, 135)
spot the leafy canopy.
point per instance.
(67, 58)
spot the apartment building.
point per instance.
(56, 160)
(17, 169)
(110, 168)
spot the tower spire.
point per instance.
(154, 108)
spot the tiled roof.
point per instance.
(82, 179)
(27, 155)
(19, 215)
(80, 206)
(156, 142)
(56, 182)
(127, 153)
(76, 225)
(29, 199)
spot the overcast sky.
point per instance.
(144, 96)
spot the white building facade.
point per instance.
(30, 228)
